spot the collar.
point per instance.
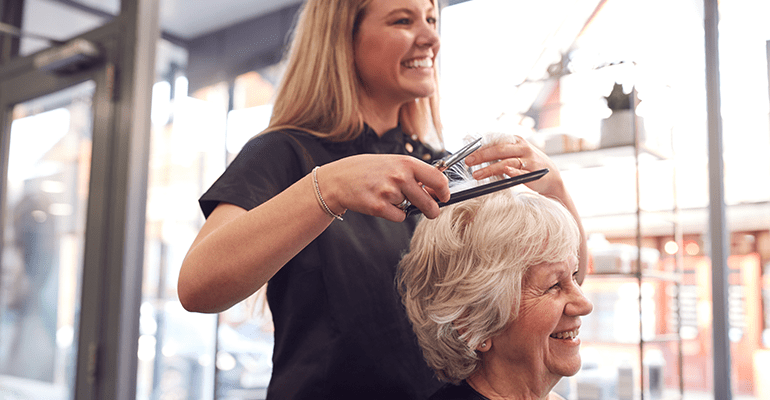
(392, 141)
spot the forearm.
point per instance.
(237, 251)
(227, 263)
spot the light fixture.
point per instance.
(671, 247)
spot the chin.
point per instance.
(421, 91)
(568, 369)
(573, 371)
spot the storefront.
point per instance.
(107, 142)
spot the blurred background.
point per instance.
(118, 115)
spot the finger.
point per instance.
(522, 163)
(503, 167)
(403, 204)
(430, 191)
(433, 180)
(421, 199)
(385, 204)
(392, 214)
(492, 153)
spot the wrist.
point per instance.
(321, 201)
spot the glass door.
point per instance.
(74, 139)
(44, 220)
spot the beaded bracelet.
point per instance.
(320, 198)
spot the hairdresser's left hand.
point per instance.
(516, 157)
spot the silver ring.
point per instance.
(404, 204)
(523, 165)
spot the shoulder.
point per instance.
(282, 146)
(266, 165)
(302, 146)
(280, 138)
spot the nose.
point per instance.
(428, 37)
(579, 305)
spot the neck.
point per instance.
(509, 386)
(379, 117)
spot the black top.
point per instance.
(463, 391)
(340, 329)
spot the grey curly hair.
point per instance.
(461, 279)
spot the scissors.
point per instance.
(446, 163)
(484, 189)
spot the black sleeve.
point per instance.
(266, 166)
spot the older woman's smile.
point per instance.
(571, 335)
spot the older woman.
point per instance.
(490, 288)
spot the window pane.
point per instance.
(42, 253)
(547, 70)
(62, 21)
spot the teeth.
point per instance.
(419, 63)
(566, 335)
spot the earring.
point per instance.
(484, 344)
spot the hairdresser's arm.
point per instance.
(507, 158)
(237, 251)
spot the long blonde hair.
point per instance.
(319, 92)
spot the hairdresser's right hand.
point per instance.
(374, 184)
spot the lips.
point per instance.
(568, 335)
(418, 63)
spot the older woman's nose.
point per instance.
(580, 304)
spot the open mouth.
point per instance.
(567, 335)
(418, 63)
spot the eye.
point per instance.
(432, 20)
(402, 21)
(575, 275)
(554, 287)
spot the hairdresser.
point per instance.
(310, 204)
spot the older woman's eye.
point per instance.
(554, 287)
(432, 20)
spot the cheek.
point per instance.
(370, 42)
(384, 49)
(538, 315)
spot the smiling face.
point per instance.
(542, 341)
(395, 48)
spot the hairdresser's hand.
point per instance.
(515, 156)
(374, 184)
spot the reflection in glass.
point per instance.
(42, 253)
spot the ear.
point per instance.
(484, 346)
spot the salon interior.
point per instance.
(117, 115)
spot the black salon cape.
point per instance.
(340, 329)
(463, 391)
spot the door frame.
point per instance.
(115, 218)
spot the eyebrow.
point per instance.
(559, 273)
(408, 11)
